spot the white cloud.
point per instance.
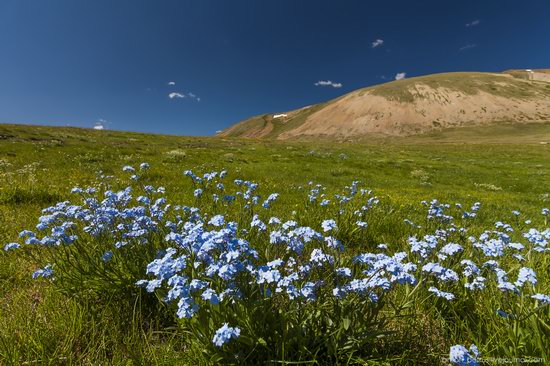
(473, 23)
(171, 83)
(400, 75)
(189, 95)
(100, 124)
(176, 95)
(378, 42)
(194, 96)
(328, 83)
(467, 47)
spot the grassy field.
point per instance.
(504, 168)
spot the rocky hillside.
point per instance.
(412, 106)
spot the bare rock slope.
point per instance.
(412, 106)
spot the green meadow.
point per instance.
(505, 168)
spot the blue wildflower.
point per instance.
(478, 283)
(503, 314)
(211, 296)
(319, 258)
(308, 291)
(275, 263)
(225, 334)
(12, 246)
(328, 225)
(272, 197)
(442, 273)
(107, 256)
(120, 244)
(266, 275)
(343, 271)
(449, 250)
(446, 295)
(526, 275)
(257, 223)
(545, 299)
(151, 285)
(227, 271)
(423, 247)
(196, 285)
(507, 286)
(461, 356)
(217, 220)
(43, 272)
(186, 308)
(493, 247)
(289, 225)
(362, 224)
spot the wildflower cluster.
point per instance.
(232, 257)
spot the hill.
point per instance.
(412, 106)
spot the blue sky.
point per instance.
(77, 62)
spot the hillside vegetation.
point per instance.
(412, 106)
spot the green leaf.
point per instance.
(346, 323)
